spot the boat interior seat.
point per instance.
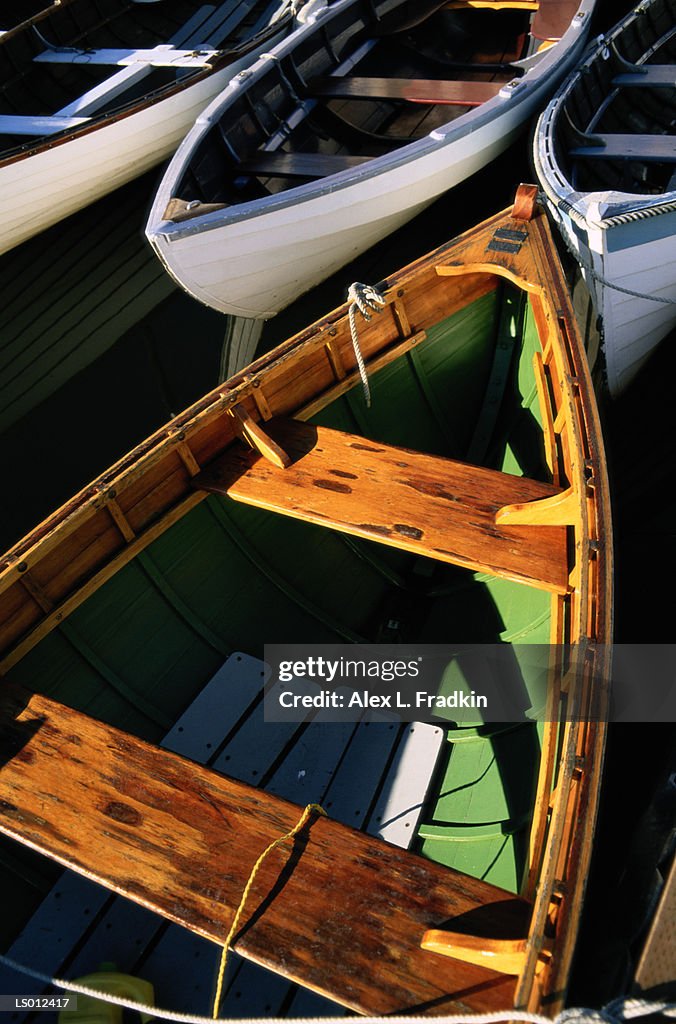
(553, 18)
(498, 5)
(410, 90)
(157, 57)
(300, 165)
(641, 148)
(181, 839)
(437, 508)
(647, 75)
(79, 924)
(207, 25)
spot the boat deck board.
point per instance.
(340, 912)
(429, 505)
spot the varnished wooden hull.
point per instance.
(150, 509)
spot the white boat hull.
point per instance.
(255, 258)
(43, 187)
(624, 242)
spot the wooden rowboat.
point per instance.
(348, 129)
(92, 97)
(447, 879)
(605, 154)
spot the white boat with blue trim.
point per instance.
(345, 131)
(605, 155)
(93, 95)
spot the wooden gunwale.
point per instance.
(207, 429)
(561, 846)
(562, 835)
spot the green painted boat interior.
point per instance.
(230, 578)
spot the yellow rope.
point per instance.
(310, 809)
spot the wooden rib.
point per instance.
(545, 406)
(187, 457)
(74, 600)
(261, 401)
(120, 519)
(36, 592)
(431, 506)
(309, 409)
(335, 361)
(335, 910)
(401, 318)
(504, 955)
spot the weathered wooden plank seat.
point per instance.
(80, 925)
(644, 75)
(645, 148)
(300, 165)
(453, 93)
(340, 911)
(421, 503)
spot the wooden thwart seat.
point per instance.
(412, 90)
(553, 18)
(421, 503)
(337, 910)
(300, 165)
(645, 148)
(648, 75)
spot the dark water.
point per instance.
(171, 357)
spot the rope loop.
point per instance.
(367, 300)
(305, 816)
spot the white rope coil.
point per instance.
(367, 300)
